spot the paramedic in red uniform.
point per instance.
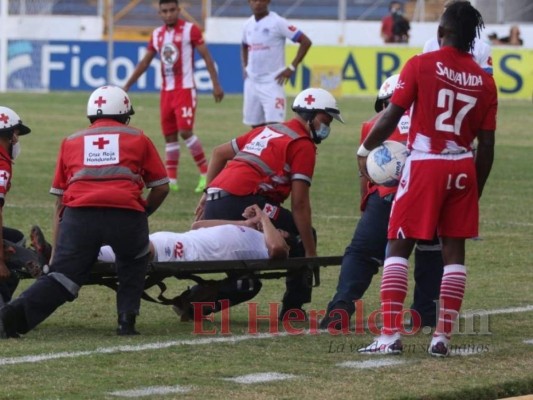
(99, 179)
(264, 167)
(11, 127)
(454, 103)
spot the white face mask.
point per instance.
(15, 150)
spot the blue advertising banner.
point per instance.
(81, 65)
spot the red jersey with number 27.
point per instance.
(452, 99)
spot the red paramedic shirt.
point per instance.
(107, 165)
(241, 179)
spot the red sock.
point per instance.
(197, 152)
(172, 158)
(393, 292)
(452, 291)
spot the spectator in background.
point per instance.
(395, 27)
(175, 43)
(263, 62)
(513, 39)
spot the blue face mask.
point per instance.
(323, 131)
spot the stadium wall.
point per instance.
(353, 68)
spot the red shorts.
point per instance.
(178, 109)
(436, 192)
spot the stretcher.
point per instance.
(105, 273)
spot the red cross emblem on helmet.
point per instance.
(310, 99)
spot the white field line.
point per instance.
(529, 341)
(141, 347)
(260, 377)
(195, 342)
(370, 363)
(497, 311)
(150, 391)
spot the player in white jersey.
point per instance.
(482, 51)
(263, 59)
(253, 238)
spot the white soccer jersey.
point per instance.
(266, 45)
(481, 52)
(223, 242)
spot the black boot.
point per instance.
(126, 324)
(8, 322)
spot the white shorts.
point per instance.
(263, 102)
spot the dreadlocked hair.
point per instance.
(464, 23)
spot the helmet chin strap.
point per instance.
(315, 137)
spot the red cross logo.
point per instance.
(126, 101)
(101, 142)
(386, 87)
(4, 175)
(100, 101)
(268, 209)
(310, 99)
(4, 118)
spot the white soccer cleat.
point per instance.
(384, 344)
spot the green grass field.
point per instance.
(75, 354)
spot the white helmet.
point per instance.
(385, 91)
(109, 101)
(9, 120)
(317, 99)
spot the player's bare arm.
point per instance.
(155, 197)
(301, 211)
(244, 59)
(484, 158)
(220, 156)
(218, 93)
(305, 44)
(57, 217)
(140, 69)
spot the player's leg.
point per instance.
(252, 110)
(185, 115)
(459, 220)
(361, 261)
(428, 275)
(272, 98)
(169, 128)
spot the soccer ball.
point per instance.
(385, 163)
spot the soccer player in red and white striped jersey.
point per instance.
(175, 42)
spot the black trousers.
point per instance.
(82, 232)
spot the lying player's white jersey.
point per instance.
(223, 242)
